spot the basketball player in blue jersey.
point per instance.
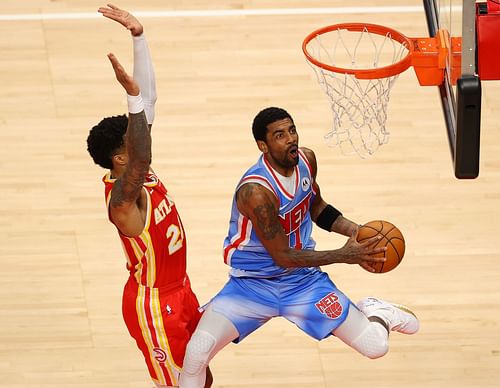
(274, 267)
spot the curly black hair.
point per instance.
(266, 117)
(106, 138)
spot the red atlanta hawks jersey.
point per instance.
(157, 257)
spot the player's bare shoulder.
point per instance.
(251, 192)
(251, 196)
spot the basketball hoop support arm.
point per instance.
(429, 58)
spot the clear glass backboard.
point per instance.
(461, 100)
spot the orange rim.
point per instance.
(381, 72)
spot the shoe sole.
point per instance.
(408, 311)
(404, 308)
(399, 306)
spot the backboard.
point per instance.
(461, 90)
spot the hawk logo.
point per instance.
(159, 355)
(306, 183)
(330, 306)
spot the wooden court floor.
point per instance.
(61, 265)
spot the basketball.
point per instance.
(392, 238)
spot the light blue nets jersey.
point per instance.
(243, 251)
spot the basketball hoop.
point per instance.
(357, 64)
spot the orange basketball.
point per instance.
(392, 238)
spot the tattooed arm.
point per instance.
(261, 207)
(128, 200)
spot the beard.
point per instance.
(289, 160)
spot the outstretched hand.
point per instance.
(123, 17)
(123, 78)
(365, 253)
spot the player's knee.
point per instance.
(377, 351)
(198, 352)
(372, 343)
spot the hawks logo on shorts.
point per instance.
(330, 306)
(159, 354)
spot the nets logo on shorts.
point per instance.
(330, 306)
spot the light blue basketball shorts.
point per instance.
(307, 297)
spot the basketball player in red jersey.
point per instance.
(159, 307)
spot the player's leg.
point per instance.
(312, 301)
(320, 309)
(241, 307)
(209, 379)
(368, 338)
(366, 328)
(157, 385)
(214, 331)
(142, 313)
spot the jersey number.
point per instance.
(176, 238)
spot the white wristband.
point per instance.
(135, 103)
(138, 37)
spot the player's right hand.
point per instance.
(123, 17)
(365, 253)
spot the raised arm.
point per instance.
(261, 207)
(127, 204)
(143, 73)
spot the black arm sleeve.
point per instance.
(327, 217)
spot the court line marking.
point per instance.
(222, 13)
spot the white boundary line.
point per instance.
(220, 13)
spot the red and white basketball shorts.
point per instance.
(161, 321)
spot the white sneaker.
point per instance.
(398, 318)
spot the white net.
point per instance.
(359, 106)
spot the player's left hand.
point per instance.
(366, 253)
(123, 17)
(128, 83)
